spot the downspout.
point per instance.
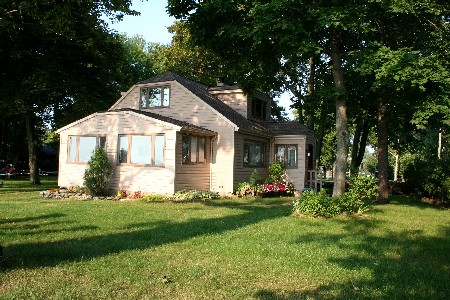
(211, 161)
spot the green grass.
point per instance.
(224, 249)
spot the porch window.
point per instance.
(81, 148)
(254, 153)
(193, 149)
(155, 97)
(286, 155)
(141, 149)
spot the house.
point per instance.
(169, 133)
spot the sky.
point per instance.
(152, 26)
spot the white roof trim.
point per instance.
(236, 128)
(121, 97)
(177, 127)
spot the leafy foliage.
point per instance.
(352, 201)
(193, 195)
(429, 178)
(98, 173)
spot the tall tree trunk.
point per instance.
(341, 118)
(359, 145)
(32, 148)
(355, 148)
(382, 153)
(363, 143)
(310, 110)
(440, 144)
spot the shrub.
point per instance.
(316, 204)
(352, 201)
(429, 178)
(251, 187)
(98, 173)
(275, 171)
(154, 198)
(193, 195)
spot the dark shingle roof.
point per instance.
(185, 126)
(201, 91)
(287, 128)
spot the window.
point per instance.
(155, 97)
(193, 149)
(286, 155)
(254, 154)
(259, 109)
(81, 148)
(141, 149)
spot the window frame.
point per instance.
(246, 152)
(259, 113)
(186, 158)
(145, 103)
(98, 143)
(287, 155)
(152, 151)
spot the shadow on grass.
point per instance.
(402, 265)
(412, 201)
(141, 235)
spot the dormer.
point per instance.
(256, 107)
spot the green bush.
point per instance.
(193, 195)
(251, 187)
(429, 178)
(98, 173)
(352, 201)
(276, 171)
(154, 198)
(316, 204)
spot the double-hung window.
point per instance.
(155, 97)
(81, 148)
(286, 155)
(141, 149)
(254, 153)
(193, 149)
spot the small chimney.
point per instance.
(220, 80)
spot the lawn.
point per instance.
(223, 249)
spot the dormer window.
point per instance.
(155, 97)
(259, 109)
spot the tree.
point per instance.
(98, 173)
(55, 55)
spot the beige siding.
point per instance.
(192, 176)
(187, 107)
(242, 173)
(296, 176)
(233, 98)
(132, 178)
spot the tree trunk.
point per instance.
(341, 119)
(310, 110)
(355, 148)
(359, 145)
(440, 144)
(32, 148)
(382, 153)
(396, 166)
(363, 143)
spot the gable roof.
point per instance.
(201, 91)
(270, 128)
(185, 126)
